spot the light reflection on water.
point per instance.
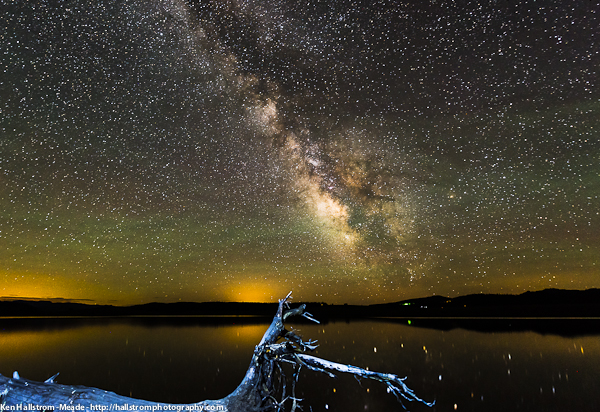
(189, 359)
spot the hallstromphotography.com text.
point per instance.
(29, 407)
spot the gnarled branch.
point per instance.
(256, 393)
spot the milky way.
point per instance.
(353, 152)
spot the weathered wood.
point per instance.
(255, 393)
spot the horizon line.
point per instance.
(91, 302)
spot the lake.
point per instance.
(465, 365)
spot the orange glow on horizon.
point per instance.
(35, 286)
(254, 292)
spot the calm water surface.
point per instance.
(186, 360)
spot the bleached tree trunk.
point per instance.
(263, 381)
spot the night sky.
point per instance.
(350, 152)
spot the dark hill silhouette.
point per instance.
(545, 303)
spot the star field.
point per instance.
(353, 152)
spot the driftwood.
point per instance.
(264, 387)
